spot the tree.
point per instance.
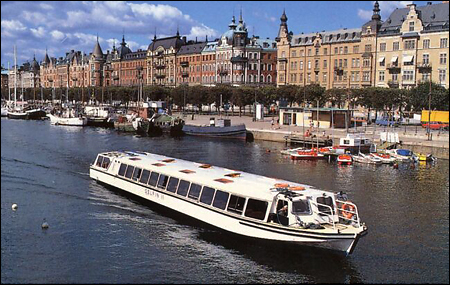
(418, 97)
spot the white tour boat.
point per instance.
(239, 202)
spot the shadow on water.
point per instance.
(316, 264)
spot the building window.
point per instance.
(443, 58)
(442, 76)
(325, 64)
(301, 65)
(309, 64)
(426, 44)
(408, 75)
(316, 63)
(366, 62)
(341, 50)
(411, 26)
(381, 77)
(396, 46)
(368, 48)
(383, 47)
(345, 50)
(317, 51)
(382, 62)
(410, 44)
(309, 77)
(283, 54)
(294, 53)
(309, 52)
(324, 77)
(425, 77)
(426, 59)
(444, 43)
(366, 76)
(345, 63)
(355, 49)
(335, 50)
(325, 51)
(395, 77)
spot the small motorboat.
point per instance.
(366, 159)
(291, 150)
(403, 155)
(344, 159)
(385, 157)
(425, 157)
(307, 154)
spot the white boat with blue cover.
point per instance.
(242, 203)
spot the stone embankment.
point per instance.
(411, 137)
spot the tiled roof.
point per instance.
(192, 48)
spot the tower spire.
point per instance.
(376, 12)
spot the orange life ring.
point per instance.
(345, 211)
(281, 185)
(296, 188)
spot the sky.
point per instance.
(62, 26)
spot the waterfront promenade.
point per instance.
(411, 137)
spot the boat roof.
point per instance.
(233, 181)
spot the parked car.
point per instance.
(435, 125)
(386, 122)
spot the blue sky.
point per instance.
(62, 26)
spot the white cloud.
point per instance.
(57, 35)
(386, 8)
(12, 25)
(46, 6)
(39, 32)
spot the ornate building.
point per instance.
(370, 55)
(161, 60)
(189, 63)
(413, 46)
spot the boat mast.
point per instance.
(317, 136)
(9, 86)
(15, 76)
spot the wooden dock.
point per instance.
(310, 141)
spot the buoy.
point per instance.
(14, 207)
(44, 225)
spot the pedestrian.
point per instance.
(272, 122)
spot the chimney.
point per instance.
(184, 39)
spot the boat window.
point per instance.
(194, 192)
(99, 161)
(144, 176)
(105, 163)
(221, 199)
(326, 201)
(137, 174)
(207, 195)
(162, 182)
(183, 188)
(236, 205)
(347, 142)
(256, 209)
(122, 169)
(173, 183)
(153, 178)
(300, 207)
(129, 171)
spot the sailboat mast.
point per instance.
(15, 76)
(9, 86)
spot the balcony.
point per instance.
(238, 59)
(393, 68)
(184, 63)
(160, 76)
(339, 70)
(184, 74)
(282, 59)
(160, 66)
(424, 67)
(222, 72)
(393, 84)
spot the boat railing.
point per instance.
(330, 213)
(352, 209)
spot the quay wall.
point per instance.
(439, 150)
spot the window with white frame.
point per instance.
(381, 77)
(408, 75)
(444, 43)
(442, 75)
(426, 43)
(443, 58)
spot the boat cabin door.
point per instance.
(283, 212)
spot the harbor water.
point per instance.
(97, 235)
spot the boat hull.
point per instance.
(77, 121)
(236, 132)
(99, 122)
(36, 114)
(18, 115)
(340, 242)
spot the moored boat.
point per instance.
(344, 159)
(308, 154)
(224, 129)
(384, 157)
(366, 159)
(238, 202)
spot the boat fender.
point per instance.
(346, 208)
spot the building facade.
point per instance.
(387, 54)
(413, 47)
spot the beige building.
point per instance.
(413, 47)
(377, 54)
